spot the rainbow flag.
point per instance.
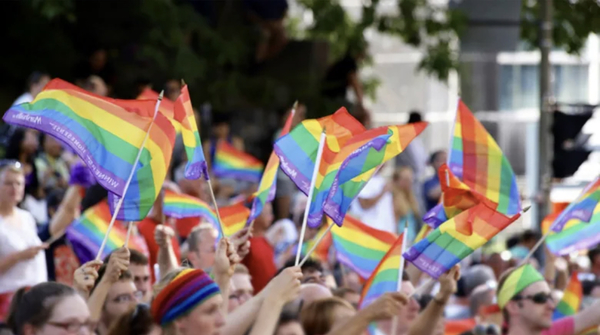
(233, 218)
(184, 113)
(359, 246)
(354, 164)
(86, 234)
(457, 238)
(179, 206)
(476, 159)
(425, 230)
(297, 151)
(106, 133)
(571, 301)
(576, 235)
(266, 188)
(582, 209)
(166, 106)
(232, 163)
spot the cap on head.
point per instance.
(518, 280)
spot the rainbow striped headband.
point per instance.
(189, 289)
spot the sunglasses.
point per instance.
(538, 298)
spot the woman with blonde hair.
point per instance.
(406, 206)
(321, 316)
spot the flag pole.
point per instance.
(316, 244)
(129, 229)
(214, 200)
(400, 272)
(310, 194)
(131, 174)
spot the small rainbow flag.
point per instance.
(297, 151)
(184, 113)
(106, 133)
(571, 301)
(233, 218)
(359, 246)
(477, 160)
(179, 206)
(166, 106)
(232, 163)
(266, 188)
(577, 228)
(86, 234)
(457, 238)
(340, 181)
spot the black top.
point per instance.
(336, 80)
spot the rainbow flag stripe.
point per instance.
(179, 206)
(184, 113)
(571, 301)
(166, 106)
(457, 238)
(581, 209)
(86, 234)
(359, 246)
(425, 230)
(576, 235)
(297, 151)
(102, 131)
(234, 218)
(232, 163)
(352, 165)
(266, 188)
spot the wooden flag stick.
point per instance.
(214, 200)
(131, 174)
(312, 249)
(310, 195)
(400, 272)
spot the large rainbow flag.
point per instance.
(232, 163)
(457, 238)
(106, 133)
(578, 226)
(266, 188)
(297, 151)
(166, 106)
(359, 246)
(179, 206)
(340, 181)
(571, 301)
(477, 160)
(184, 114)
(86, 234)
(234, 218)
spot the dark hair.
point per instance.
(593, 253)
(512, 241)
(310, 265)
(124, 275)
(34, 306)
(35, 77)
(530, 235)
(286, 317)
(137, 321)
(137, 258)
(414, 117)
(434, 155)
(54, 198)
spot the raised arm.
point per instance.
(587, 318)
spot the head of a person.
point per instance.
(348, 294)
(53, 200)
(172, 89)
(312, 292)
(408, 313)
(529, 238)
(178, 312)
(594, 256)
(265, 219)
(438, 158)
(52, 146)
(289, 324)
(36, 82)
(140, 269)
(242, 284)
(22, 142)
(403, 178)
(202, 246)
(312, 271)
(12, 182)
(121, 296)
(96, 85)
(137, 321)
(525, 299)
(221, 127)
(49, 309)
(481, 298)
(473, 277)
(320, 316)
(414, 116)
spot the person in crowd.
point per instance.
(481, 304)
(201, 246)
(432, 190)
(242, 284)
(527, 306)
(312, 270)
(269, 16)
(526, 242)
(137, 321)
(95, 84)
(407, 313)
(260, 261)
(375, 204)
(348, 294)
(172, 89)
(320, 316)
(594, 257)
(406, 206)
(221, 131)
(52, 169)
(289, 324)
(35, 84)
(21, 261)
(97, 65)
(140, 270)
(344, 74)
(473, 277)
(50, 309)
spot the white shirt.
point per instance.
(23, 98)
(381, 216)
(14, 239)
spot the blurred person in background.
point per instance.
(172, 89)
(97, 65)
(374, 205)
(526, 242)
(202, 246)
(21, 261)
(260, 261)
(320, 316)
(340, 76)
(35, 84)
(406, 206)
(242, 284)
(432, 191)
(473, 276)
(269, 16)
(139, 266)
(289, 324)
(348, 294)
(52, 169)
(95, 84)
(137, 321)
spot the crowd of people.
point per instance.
(189, 281)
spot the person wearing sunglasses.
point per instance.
(527, 305)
